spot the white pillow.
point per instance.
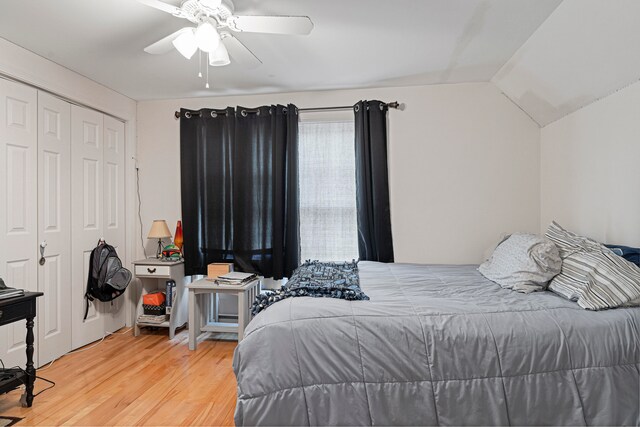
(523, 262)
(592, 274)
(489, 251)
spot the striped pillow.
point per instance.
(591, 273)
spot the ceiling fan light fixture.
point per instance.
(214, 21)
(219, 57)
(186, 44)
(207, 37)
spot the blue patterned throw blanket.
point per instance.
(316, 279)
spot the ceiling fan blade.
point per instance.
(157, 4)
(239, 52)
(165, 44)
(300, 25)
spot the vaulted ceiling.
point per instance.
(549, 56)
(584, 51)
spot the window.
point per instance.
(328, 222)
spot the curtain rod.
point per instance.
(394, 104)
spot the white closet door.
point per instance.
(18, 205)
(86, 218)
(113, 224)
(54, 225)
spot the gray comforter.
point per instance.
(438, 345)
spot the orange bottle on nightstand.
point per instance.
(178, 240)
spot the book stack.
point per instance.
(153, 319)
(10, 293)
(236, 278)
(6, 292)
(170, 293)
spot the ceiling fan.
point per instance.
(212, 19)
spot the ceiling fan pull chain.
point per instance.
(207, 86)
(199, 63)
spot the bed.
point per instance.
(438, 345)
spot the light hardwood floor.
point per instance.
(126, 380)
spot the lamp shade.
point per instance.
(159, 230)
(186, 43)
(207, 37)
(219, 57)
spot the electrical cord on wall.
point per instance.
(106, 334)
(144, 250)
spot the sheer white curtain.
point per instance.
(328, 222)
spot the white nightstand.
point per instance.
(153, 274)
(246, 295)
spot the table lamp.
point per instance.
(159, 230)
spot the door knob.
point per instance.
(43, 245)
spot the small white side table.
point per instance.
(153, 274)
(245, 293)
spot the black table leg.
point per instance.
(31, 371)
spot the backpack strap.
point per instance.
(87, 296)
(87, 293)
(86, 308)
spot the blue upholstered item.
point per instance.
(626, 252)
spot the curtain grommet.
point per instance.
(284, 110)
(214, 114)
(258, 112)
(187, 115)
(357, 108)
(243, 113)
(381, 105)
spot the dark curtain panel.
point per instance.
(372, 182)
(291, 200)
(206, 149)
(240, 189)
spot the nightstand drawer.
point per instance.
(153, 271)
(13, 312)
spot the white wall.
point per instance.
(464, 164)
(25, 66)
(590, 169)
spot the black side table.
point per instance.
(13, 310)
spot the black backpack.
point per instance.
(107, 278)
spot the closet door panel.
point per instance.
(18, 204)
(114, 209)
(54, 225)
(86, 218)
